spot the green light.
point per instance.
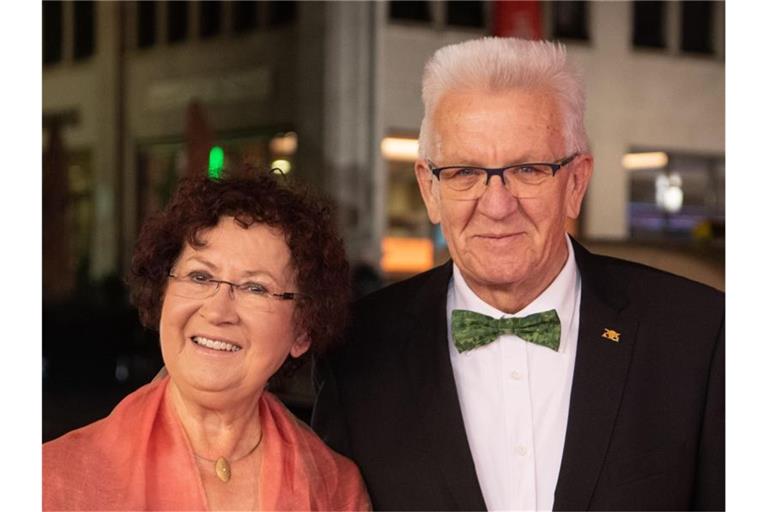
(215, 162)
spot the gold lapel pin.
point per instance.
(611, 335)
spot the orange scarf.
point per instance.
(140, 458)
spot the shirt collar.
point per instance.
(560, 295)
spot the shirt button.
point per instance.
(521, 450)
(515, 375)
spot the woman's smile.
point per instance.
(217, 345)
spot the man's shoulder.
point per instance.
(402, 295)
(643, 282)
(392, 312)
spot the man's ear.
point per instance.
(427, 187)
(300, 345)
(578, 179)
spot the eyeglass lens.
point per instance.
(251, 296)
(472, 180)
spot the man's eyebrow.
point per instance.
(525, 159)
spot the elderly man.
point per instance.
(526, 373)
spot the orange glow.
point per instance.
(400, 149)
(407, 255)
(655, 160)
(284, 144)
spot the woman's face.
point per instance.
(229, 344)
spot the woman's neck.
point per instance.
(218, 428)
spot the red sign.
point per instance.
(517, 19)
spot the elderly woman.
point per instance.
(239, 275)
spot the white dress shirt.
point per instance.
(514, 396)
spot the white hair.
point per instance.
(500, 64)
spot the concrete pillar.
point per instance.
(604, 209)
(336, 110)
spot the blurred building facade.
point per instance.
(326, 88)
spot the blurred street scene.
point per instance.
(136, 94)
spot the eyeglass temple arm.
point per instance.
(286, 295)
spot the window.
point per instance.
(571, 20)
(683, 199)
(649, 24)
(281, 13)
(177, 21)
(52, 32)
(697, 27)
(68, 205)
(147, 23)
(409, 11)
(465, 14)
(210, 18)
(244, 16)
(85, 23)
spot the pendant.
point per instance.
(223, 471)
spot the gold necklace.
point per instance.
(223, 467)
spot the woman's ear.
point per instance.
(300, 346)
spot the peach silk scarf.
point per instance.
(139, 458)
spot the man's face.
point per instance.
(504, 240)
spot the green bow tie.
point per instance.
(472, 330)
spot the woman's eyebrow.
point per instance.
(203, 261)
(245, 274)
(257, 273)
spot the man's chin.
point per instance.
(498, 274)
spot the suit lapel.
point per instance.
(598, 381)
(431, 378)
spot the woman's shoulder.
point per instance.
(322, 467)
(295, 433)
(84, 458)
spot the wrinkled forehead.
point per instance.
(497, 125)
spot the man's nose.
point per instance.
(498, 200)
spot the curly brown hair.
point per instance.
(251, 196)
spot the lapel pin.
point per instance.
(611, 335)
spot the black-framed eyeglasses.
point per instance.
(468, 181)
(199, 285)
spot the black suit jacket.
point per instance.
(647, 415)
